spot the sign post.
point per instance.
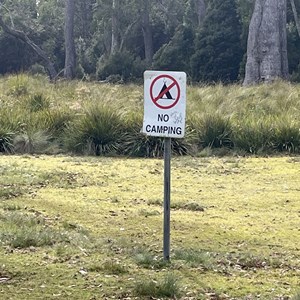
(164, 116)
(167, 197)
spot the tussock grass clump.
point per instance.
(212, 130)
(17, 86)
(32, 142)
(11, 191)
(253, 135)
(6, 140)
(147, 260)
(192, 206)
(257, 120)
(110, 267)
(167, 287)
(98, 131)
(195, 258)
(38, 102)
(286, 137)
(10, 125)
(23, 230)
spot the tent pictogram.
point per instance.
(165, 91)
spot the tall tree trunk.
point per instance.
(147, 32)
(114, 27)
(86, 17)
(267, 43)
(70, 61)
(40, 52)
(201, 10)
(295, 16)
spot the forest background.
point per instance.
(117, 40)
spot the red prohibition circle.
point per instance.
(155, 99)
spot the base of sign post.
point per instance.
(167, 197)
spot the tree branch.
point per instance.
(295, 16)
(24, 38)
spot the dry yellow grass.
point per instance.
(249, 226)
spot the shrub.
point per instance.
(98, 131)
(120, 67)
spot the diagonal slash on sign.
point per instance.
(164, 92)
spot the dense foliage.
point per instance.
(118, 40)
(218, 45)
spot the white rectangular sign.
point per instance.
(164, 104)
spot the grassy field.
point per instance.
(91, 228)
(93, 118)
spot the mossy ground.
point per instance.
(108, 216)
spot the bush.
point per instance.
(98, 131)
(173, 56)
(120, 67)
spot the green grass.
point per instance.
(90, 227)
(167, 287)
(99, 119)
(84, 227)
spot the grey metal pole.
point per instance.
(167, 197)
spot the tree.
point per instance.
(174, 55)
(24, 38)
(69, 71)
(267, 43)
(218, 44)
(297, 21)
(195, 12)
(147, 31)
(114, 27)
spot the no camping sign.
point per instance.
(164, 104)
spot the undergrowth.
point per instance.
(100, 119)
